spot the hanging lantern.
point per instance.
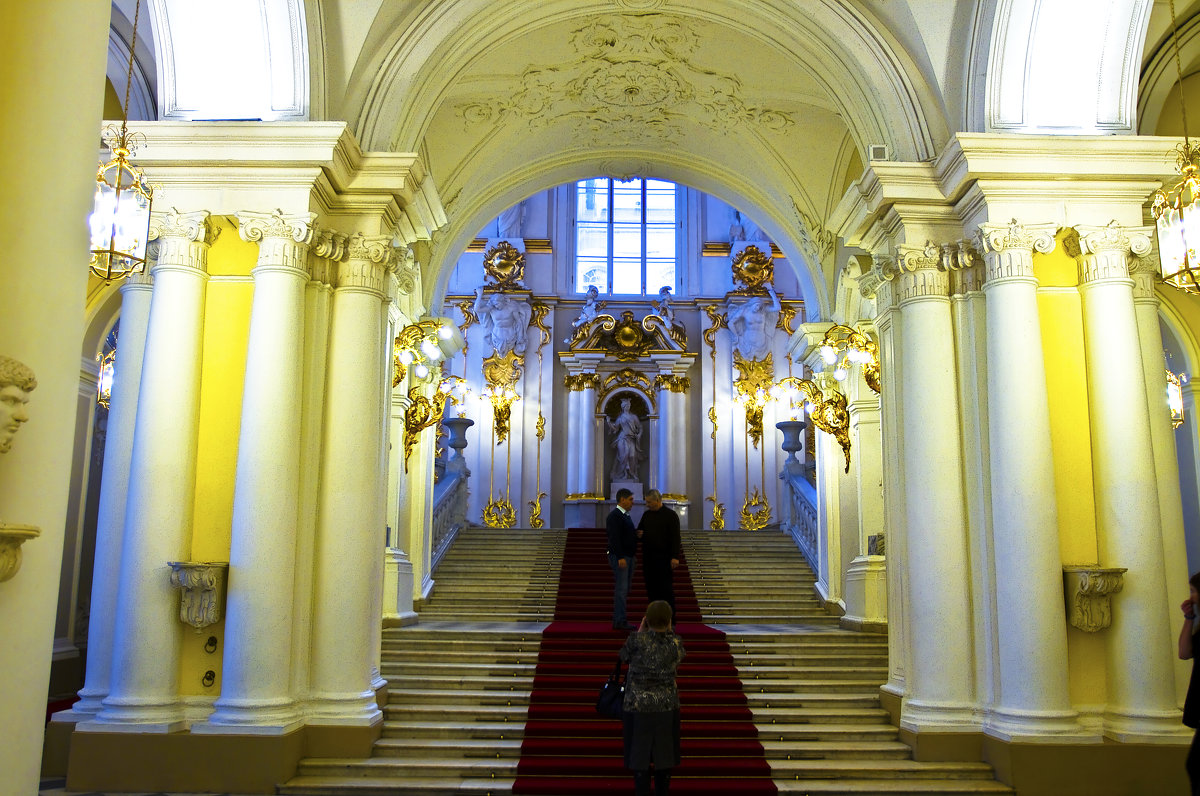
(120, 221)
(1178, 219)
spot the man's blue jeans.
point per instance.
(621, 580)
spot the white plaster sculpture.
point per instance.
(505, 321)
(11, 539)
(511, 223)
(16, 382)
(628, 430)
(662, 307)
(591, 308)
(753, 325)
(201, 585)
(743, 229)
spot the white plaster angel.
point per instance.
(591, 308)
(505, 321)
(753, 325)
(662, 307)
(743, 229)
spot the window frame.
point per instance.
(576, 189)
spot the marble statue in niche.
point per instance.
(753, 325)
(505, 321)
(511, 223)
(16, 382)
(627, 443)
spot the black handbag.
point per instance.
(611, 701)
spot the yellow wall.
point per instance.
(226, 333)
(1061, 314)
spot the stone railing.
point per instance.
(799, 515)
(449, 513)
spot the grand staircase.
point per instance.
(459, 681)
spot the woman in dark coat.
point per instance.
(1191, 705)
(652, 700)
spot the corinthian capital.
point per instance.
(254, 226)
(998, 238)
(1108, 252)
(376, 248)
(918, 258)
(194, 226)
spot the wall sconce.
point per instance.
(424, 412)
(1175, 397)
(422, 346)
(844, 347)
(829, 414)
(104, 378)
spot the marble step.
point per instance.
(830, 732)
(878, 769)
(841, 748)
(903, 787)
(489, 730)
(400, 768)
(467, 747)
(382, 786)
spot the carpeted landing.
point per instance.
(568, 748)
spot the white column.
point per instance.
(879, 284)
(1141, 679)
(1033, 699)
(574, 423)
(350, 519)
(43, 206)
(865, 582)
(322, 258)
(256, 693)
(144, 683)
(940, 694)
(589, 461)
(1162, 439)
(110, 516)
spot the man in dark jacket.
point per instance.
(662, 548)
(622, 555)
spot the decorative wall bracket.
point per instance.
(424, 412)
(11, 539)
(1089, 589)
(202, 590)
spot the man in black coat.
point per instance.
(662, 548)
(622, 555)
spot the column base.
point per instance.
(251, 717)
(1158, 727)
(940, 717)
(400, 620)
(132, 727)
(358, 710)
(1043, 727)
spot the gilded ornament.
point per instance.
(578, 382)
(787, 315)
(754, 269)
(540, 427)
(672, 383)
(718, 518)
(845, 347)
(499, 513)
(502, 370)
(716, 322)
(712, 418)
(753, 384)
(504, 264)
(756, 511)
(628, 340)
(538, 319)
(535, 511)
(628, 378)
(674, 496)
(467, 308)
(501, 416)
(420, 415)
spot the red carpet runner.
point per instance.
(570, 750)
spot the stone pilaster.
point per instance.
(144, 682)
(1032, 697)
(256, 691)
(939, 694)
(1141, 682)
(350, 519)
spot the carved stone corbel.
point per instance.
(202, 589)
(11, 539)
(1089, 589)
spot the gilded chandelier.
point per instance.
(1175, 212)
(119, 225)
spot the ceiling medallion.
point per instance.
(640, 6)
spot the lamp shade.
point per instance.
(1178, 220)
(120, 220)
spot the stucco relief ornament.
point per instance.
(1089, 591)
(16, 382)
(202, 587)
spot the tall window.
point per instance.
(624, 235)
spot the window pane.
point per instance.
(659, 273)
(592, 240)
(593, 200)
(660, 242)
(627, 240)
(627, 275)
(591, 271)
(627, 202)
(660, 202)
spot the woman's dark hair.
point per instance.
(1195, 581)
(658, 615)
